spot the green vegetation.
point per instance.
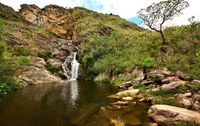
(120, 52)
(53, 69)
(7, 69)
(184, 123)
(141, 87)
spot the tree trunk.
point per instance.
(163, 37)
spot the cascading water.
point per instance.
(74, 69)
(73, 74)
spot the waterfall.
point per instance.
(74, 69)
(73, 73)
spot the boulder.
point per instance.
(163, 71)
(165, 114)
(125, 85)
(147, 82)
(184, 76)
(196, 105)
(34, 75)
(128, 98)
(173, 85)
(131, 120)
(195, 82)
(197, 97)
(131, 92)
(170, 79)
(55, 62)
(120, 103)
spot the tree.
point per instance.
(155, 15)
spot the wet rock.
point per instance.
(152, 124)
(116, 122)
(127, 98)
(131, 120)
(184, 76)
(113, 96)
(173, 85)
(120, 103)
(165, 114)
(125, 85)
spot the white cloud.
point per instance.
(124, 8)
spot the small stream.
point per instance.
(74, 103)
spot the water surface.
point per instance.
(68, 104)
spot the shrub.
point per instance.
(20, 50)
(7, 84)
(23, 60)
(45, 54)
(52, 69)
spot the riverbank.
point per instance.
(163, 87)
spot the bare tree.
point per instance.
(155, 15)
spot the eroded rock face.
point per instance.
(165, 114)
(34, 75)
(52, 17)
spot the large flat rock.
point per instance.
(164, 114)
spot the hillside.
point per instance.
(112, 49)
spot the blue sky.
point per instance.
(126, 9)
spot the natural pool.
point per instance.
(75, 103)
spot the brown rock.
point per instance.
(195, 82)
(184, 76)
(197, 97)
(173, 85)
(120, 103)
(170, 79)
(196, 105)
(131, 120)
(165, 114)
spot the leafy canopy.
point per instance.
(155, 15)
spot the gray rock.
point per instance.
(173, 85)
(165, 114)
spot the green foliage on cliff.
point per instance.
(7, 81)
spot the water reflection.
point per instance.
(74, 89)
(70, 92)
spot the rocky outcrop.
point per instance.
(165, 114)
(37, 74)
(52, 17)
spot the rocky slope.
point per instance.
(75, 23)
